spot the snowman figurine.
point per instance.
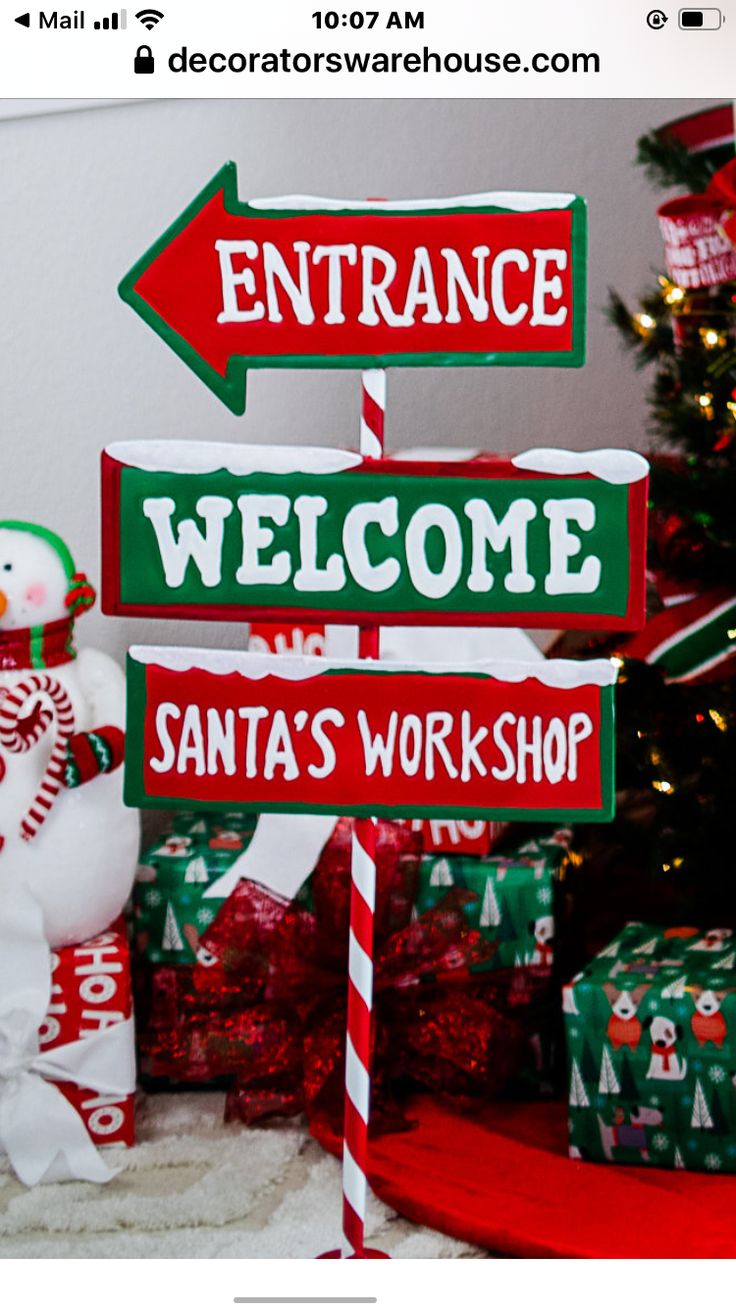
(64, 831)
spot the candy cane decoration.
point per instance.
(14, 739)
(362, 910)
(372, 412)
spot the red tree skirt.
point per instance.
(506, 1183)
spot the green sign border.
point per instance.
(231, 388)
(116, 476)
(136, 797)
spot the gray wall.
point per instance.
(85, 193)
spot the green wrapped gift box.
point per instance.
(514, 889)
(651, 1038)
(172, 900)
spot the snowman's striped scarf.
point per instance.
(45, 646)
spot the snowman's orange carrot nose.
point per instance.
(3, 603)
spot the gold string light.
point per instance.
(672, 293)
(711, 338)
(644, 324)
(705, 400)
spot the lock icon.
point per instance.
(143, 62)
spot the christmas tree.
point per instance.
(490, 914)
(701, 1116)
(676, 699)
(578, 1094)
(608, 1083)
(172, 938)
(197, 870)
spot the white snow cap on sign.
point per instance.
(437, 454)
(212, 456)
(561, 673)
(616, 466)
(522, 202)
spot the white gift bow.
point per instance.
(41, 1132)
(281, 855)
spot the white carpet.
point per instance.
(196, 1188)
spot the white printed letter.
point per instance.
(375, 749)
(165, 711)
(308, 577)
(256, 538)
(375, 293)
(420, 290)
(220, 742)
(279, 750)
(427, 582)
(334, 254)
(231, 311)
(581, 727)
(191, 743)
(488, 531)
(322, 740)
(274, 266)
(565, 545)
(548, 286)
(504, 774)
(385, 514)
(189, 543)
(457, 279)
(509, 317)
(253, 715)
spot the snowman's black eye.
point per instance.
(7, 568)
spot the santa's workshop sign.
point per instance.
(294, 282)
(290, 733)
(549, 538)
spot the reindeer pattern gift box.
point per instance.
(651, 1035)
(514, 890)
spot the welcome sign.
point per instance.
(290, 733)
(489, 279)
(549, 538)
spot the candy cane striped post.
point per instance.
(372, 412)
(362, 910)
(17, 742)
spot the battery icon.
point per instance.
(700, 20)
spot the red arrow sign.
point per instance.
(483, 280)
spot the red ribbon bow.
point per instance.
(272, 1009)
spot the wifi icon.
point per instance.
(149, 17)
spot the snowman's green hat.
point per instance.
(81, 593)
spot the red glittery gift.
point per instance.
(269, 1011)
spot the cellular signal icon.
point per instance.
(150, 18)
(115, 22)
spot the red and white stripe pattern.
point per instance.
(17, 741)
(358, 1043)
(362, 911)
(691, 640)
(372, 413)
